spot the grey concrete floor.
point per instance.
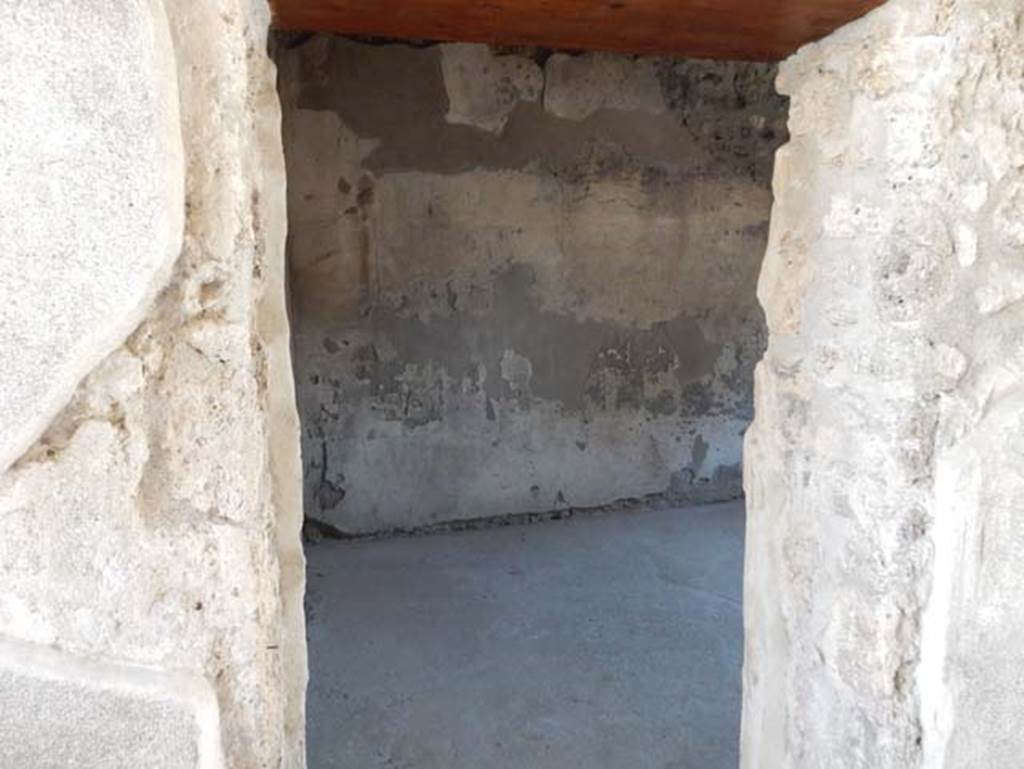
(603, 642)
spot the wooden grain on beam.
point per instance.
(760, 30)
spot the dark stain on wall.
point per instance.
(408, 120)
(584, 366)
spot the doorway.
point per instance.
(523, 294)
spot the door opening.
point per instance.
(523, 289)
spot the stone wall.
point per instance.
(884, 492)
(521, 281)
(149, 508)
(149, 512)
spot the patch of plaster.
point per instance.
(483, 88)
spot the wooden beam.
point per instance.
(759, 30)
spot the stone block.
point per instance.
(59, 711)
(91, 194)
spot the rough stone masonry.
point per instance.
(883, 470)
(521, 280)
(151, 572)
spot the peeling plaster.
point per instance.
(540, 302)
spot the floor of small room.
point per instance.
(610, 641)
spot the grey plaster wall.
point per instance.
(521, 281)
